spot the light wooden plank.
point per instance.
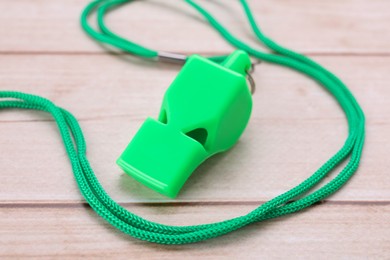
(295, 127)
(351, 26)
(323, 232)
(108, 86)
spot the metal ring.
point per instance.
(252, 82)
(253, 65)
(249, 75)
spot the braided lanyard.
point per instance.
(283, 204)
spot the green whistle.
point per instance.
(204, 112)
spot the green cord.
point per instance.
(105, 35)
(283, 204)
(109, 37)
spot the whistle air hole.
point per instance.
(163, 117)
(199, 135)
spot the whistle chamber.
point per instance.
(204, 112)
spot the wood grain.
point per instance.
(326, 232)
(282, 146)
(295, 127)
(349, 26)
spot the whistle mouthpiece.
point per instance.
(204, 112)
(161, 157)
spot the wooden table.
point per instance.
(295, 127)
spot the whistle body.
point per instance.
(204, 112)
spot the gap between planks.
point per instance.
(76, 204)
(114, 52)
